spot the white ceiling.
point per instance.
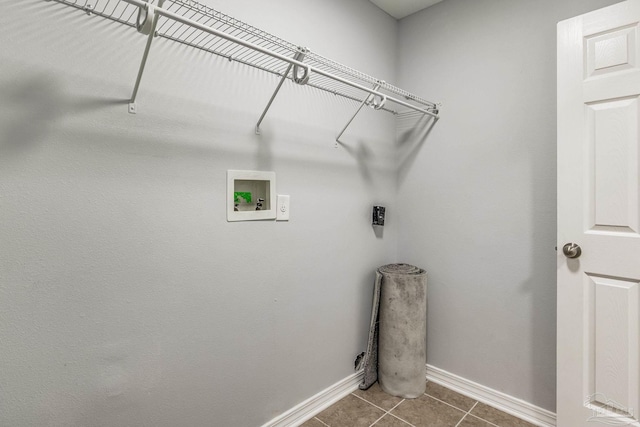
(401, 8)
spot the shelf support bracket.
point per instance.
(367, 101)
(299, 56)
(147, 49)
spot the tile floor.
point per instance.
(438, 407)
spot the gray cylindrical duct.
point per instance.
(402, 341)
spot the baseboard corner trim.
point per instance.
(317, 403)
(499, 400)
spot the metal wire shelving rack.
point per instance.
(198, 26)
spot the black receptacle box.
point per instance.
(378, 215)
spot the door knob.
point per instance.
(571, 250)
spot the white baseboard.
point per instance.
(318, 403)
(504, 402)
(327, 397)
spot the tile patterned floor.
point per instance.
(438, 407)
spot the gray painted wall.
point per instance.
(477, 198)
(125, 296)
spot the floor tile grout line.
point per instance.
(442, 401)
(382, 409)
(401, 419)
(397, 417)
(465, 415)
(393, 415)
(480, 418)
(371, 403)
(488, 422)
(461, 419)
(321, 422)
(398, 404)
(389, 412)
(475, 416)
(376, 421)
(469, 411)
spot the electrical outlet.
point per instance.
(282, 208)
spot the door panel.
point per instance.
(613, 341)
(611, 51)
(599, 209)
(612, 135)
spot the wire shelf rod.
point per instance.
(195, 30)
(195, 17)
(200, 38)
(224, 56)
(350, 72)
(264, 113)
(362, 104)
(105, 6)
(233, 22)
(171, 15)
(85, 7)
(143, 63)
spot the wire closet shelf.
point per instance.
(201, 27)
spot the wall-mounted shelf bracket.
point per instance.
(199, 26)
(146, 24)
(299, 56)
(371, 100)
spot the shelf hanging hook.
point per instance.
(267, 45)
(304, 78)
(367, 101)
(376, 101)
(298, 56)
(145, 26)
(145, 22)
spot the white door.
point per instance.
(599, 210)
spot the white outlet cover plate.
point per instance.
(282, 208)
